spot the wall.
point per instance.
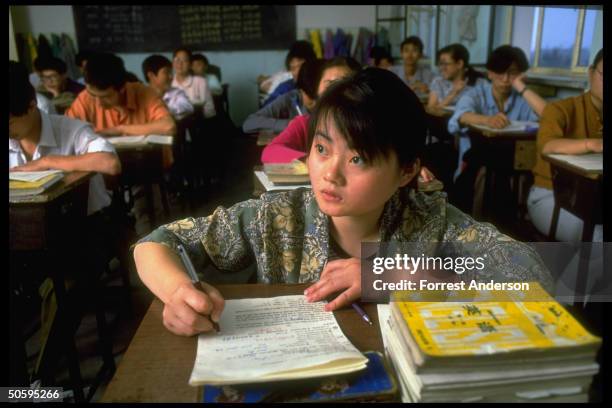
(12, 46)
(240, 68)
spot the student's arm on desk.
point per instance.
(162, 126)
(465, 114)
(274, 116)
(551, 135)
(100, 162)
(186, 309)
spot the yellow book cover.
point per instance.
(444, 329)
(20, 188)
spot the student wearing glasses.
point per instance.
(568, 126)
(56, 85)
(456, 77)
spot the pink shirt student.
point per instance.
(290, 144)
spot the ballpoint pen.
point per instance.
(194, 277)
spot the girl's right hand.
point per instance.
(190, 310)
(498, 121)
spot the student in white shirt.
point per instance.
(157, 70)
(195, 87)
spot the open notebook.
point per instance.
(274, 339)
(140, 140)
(514, 127)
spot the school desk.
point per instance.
(508, 158)
(47, 222)
(157, 364)
(580, 192)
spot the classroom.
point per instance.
(201, 198)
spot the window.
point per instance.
(558, 39)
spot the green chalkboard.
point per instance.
(141, 28)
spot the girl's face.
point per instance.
(343, 184)
(181, 63)
(410, 54)
(449, 68)
(330, 75)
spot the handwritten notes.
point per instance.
(278, 338)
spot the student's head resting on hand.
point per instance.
(105, 79)
(504, 65)
(359, 156)
(596, 78)
(157, 70)
(23, 113)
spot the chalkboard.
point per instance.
(125, 29)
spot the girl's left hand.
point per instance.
(341, 274)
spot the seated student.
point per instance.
(300, 52)
(456, 76)
(361, 171)
(292, 143)
(276, 116)
(569, 126)
(81, 60)
(201, 67)
(56, 84)
(496, 103)
(417, 77)
(380, 57)
(116, 107)
(157, 70)
(195, 87)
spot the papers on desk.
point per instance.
(490, 351)
(140, 140)
(588, 162)
(272, 339)
(515, 126)
(269, 186)
(27, 183)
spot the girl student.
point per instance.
(456, 76)
(362, 172)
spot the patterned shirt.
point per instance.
(287, 236)
(480, 100)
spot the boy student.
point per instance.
(568, 126)
(380, 57)
(496, 103)
(456, 76)
(201, 67)
(361, 170)
(276, 116)
(416, 76)
(195, 87)
(300, 52)
(56, 85)
(157, 71)
(292, 143)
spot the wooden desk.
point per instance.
(157, 364)
(506, 156)
(48, 222)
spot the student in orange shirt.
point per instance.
(116, 107)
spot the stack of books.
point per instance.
(28, 183)
(295, 172)
(489, 351)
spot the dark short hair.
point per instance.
(379, 53)
(300, 49)
(82, 56)
(370, 109)
(199, 57)
(503, 57)
(185, 50)
(458, 52)
(105, 70)
(414, 40)
(36, 64)
(597, 59)
(53, 64)
(309, 76)
(153, 63)
(21, 91)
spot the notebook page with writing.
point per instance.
(279, 338)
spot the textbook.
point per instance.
(489, 351)
(376, 384)
(140, 140)
(25, 183)
(295, 172)
(281, 338)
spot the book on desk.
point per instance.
(515, 126)
(293, 173)
(27, 183)
(141, 140)
(489, 351)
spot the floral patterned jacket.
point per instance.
(287, 235)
